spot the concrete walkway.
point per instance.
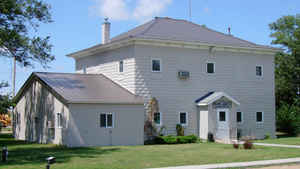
(276, 145)
(238, 164)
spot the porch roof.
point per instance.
(212, 97)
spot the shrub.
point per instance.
(173, 140)
(267, 136)
(236, 145)
(248, 144)
(210, 137)
(179, 130)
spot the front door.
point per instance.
(222, 124)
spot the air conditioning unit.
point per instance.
(183, 74)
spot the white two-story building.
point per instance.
(207, 81)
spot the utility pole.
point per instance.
(14, 77)
(190, 10)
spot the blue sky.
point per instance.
(77, 24)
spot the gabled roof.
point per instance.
(83, 88)
(212, 97)
(164, 28)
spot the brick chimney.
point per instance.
(105, 31)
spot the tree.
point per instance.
(286, 33)
(19, 21)
(5, 100)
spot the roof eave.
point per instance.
(165, 42)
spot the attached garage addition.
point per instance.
(78, 110)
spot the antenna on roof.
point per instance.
(190, 10)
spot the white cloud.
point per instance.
(146, 9)
(113, 9)
(120, 9)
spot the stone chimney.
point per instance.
(105, 31)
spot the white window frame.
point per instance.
(113, 120)
(160, 62)
(57, 122)
(84, 69)
(263, 119)
(120, 66)
(262, 71)
(186, 118)
(160, 121)
(214, 68)
(242, 117)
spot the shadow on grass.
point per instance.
(21, 152)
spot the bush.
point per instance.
(267, 136)
(288, 118)
(173, 140)
(248, 144)
(236, 145)
(179, 130)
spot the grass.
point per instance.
(286, 140)
(30, 155)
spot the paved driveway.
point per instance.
(292, 166)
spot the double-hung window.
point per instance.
(259, 71)
(157, 118)
(259, 117)
(183, 118)
(239, 117)
(106, 120)
(210, 68)
(156, 65)
(121, 66)
(59, 118)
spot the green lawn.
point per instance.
(286, 140)
(28, 155)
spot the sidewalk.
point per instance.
(276, 145)
(238, 164)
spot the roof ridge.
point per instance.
(130, 30)
(81, 74)
(212, 30)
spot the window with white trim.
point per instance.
(157, 118)
(222, 116)
(121, 66)
(210, 67)
(106, 120)
(183, 118)
(259, 71)
(59, 120)
(239, 117)
(259, 117)
(156, 65)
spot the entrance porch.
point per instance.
(217, 116)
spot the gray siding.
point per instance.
(84, 125)
(235, 75)
(36, 113)
(107, 63)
